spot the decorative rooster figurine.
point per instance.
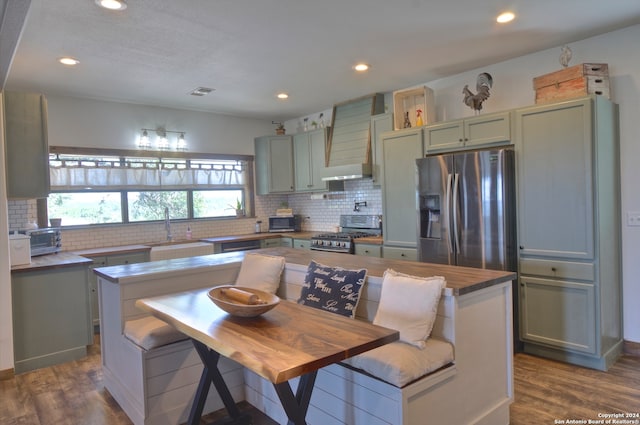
(483, 84)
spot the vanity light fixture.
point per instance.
(162, 142)
(112, 4)
(69, 61)
(505, 17)
(282, 96)
(362, 67)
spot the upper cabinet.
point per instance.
(26, 145)
(274, 164)
(309, 150)
(468, 133)
(400, 149)
(379, 124)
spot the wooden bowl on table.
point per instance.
(242, 301)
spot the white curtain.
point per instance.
(83, 177)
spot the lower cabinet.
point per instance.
(51, 316)
(302, 243)
(547, 302)
(288, 242)
(103, 261)
(270, 243)
(368, 250)
(396, 253)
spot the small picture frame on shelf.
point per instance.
(412, 101)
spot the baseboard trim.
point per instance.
(631, 348)
(6, 374)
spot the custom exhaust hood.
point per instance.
(349, 147)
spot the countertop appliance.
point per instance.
(467, 209)
(285, 223)
(43, 241)
(352, 227)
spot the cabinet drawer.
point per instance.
(302, 243)
(369, 250)
(558, 269)
(395, 253)
(270, 243)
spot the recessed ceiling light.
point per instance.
(505, 17)
(362, 67)
(282, 96)
(112, 4)
(67, 60)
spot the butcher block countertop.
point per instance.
(52, 261)
(113, 250)
(460, 280)
(262, 235)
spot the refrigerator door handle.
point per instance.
(448, 204)
(454, 210)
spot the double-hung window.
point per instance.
(96, 186)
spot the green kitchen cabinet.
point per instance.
(396, 253)
(287, 242)
(26, 145)
(310, 150)
(274, 164)
(399, 199)
(380, 123)
(270, 243)
(569, 231)
(301, 243)
(104, 261)
(369, 250)
(469, 133)
(51, 316)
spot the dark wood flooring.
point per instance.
(546, 392)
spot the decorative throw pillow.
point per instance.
(332, 289)
(409, 304)
(261, 272)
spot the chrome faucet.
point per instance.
(167, 223)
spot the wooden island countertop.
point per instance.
(460, 280)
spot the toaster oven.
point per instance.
(44, 241)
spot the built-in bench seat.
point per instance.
(153, 372)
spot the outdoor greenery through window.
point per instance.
(101, 189)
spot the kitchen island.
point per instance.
(474, 316)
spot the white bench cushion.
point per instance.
(399, 363)
(150, 332)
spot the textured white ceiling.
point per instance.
(156, 51)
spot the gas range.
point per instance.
(353, 227)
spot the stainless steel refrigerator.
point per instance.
(467, 209)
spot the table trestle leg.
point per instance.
(211, 374)
(296, 407)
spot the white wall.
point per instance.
(94, 123)
(6, 327)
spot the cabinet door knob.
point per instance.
(553, 269)
(521, 246)
(459, 140)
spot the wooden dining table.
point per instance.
(289, 341)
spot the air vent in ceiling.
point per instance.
(201, 91)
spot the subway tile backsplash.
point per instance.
(319, 215)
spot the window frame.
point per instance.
(248, 188)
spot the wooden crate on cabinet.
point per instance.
(573, 82)
(410, 100)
